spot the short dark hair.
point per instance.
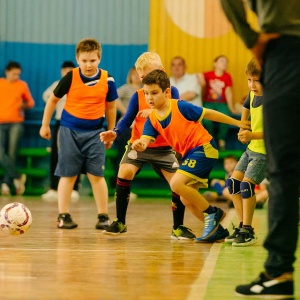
(13, 65)
(253, 68)
(158, 77)
(67, 64)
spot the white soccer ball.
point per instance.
(15, 218)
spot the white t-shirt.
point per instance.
(188, 82)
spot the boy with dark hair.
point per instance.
(190, 139)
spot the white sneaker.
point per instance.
(5, 190)
(133, 196)
(74, 196)
(50, 196)
(20, 185)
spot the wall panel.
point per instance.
(198, 31)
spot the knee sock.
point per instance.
(178, 209)
(122, 198)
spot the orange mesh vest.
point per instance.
(87, 102)
(138, 125)
(181, 134)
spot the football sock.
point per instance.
(210, 210)
(178, 209)
(122, 198)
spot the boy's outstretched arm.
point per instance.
(140, 144)
(216, 116)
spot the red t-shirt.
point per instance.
(215, 87)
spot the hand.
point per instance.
(259, 48)
(245, 124)
(45, 132)
(144, 113)
(245, 136)
(107, 136)
(108, 145)
(138, 145)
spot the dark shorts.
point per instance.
(198, 163)
(80, 152)
(161, 158)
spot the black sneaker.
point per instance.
(245, 238)
(103, 221)
(115, 228)
(64, 221)
(229, 239)
(281, 287)
(218, 236)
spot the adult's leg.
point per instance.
(282, 138)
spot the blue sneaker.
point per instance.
(211, 222)
(220, 234)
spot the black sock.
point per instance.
(210, 210)
(178, 209)
(122, 198)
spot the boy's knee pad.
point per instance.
(247, 189)
(233, 186)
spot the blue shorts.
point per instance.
(254, 165)
(80, 152)
(198, 163)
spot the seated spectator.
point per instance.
(187, 84)
(217, 95)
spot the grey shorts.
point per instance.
(80, 152)
(254, 165)
(161, 158)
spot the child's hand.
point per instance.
(245, 136)
(45, 132)
(144, 113)
(108, 145)
(245, 124)
(138, 145)
(107, 137)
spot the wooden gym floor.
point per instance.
(142, 264)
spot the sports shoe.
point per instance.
(182, 233)
(64, 221)
(259, 204)
(115, 228)
(5, 190)
(281, 287)
(219, 235)
(244, 238)
(50, 196)
(211, 222)
(103, 221)
(74, 196)
(19, 184)
(230, 238)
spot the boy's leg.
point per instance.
(100, 192)
(125, 176)
(65, 188)
(212, 215)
